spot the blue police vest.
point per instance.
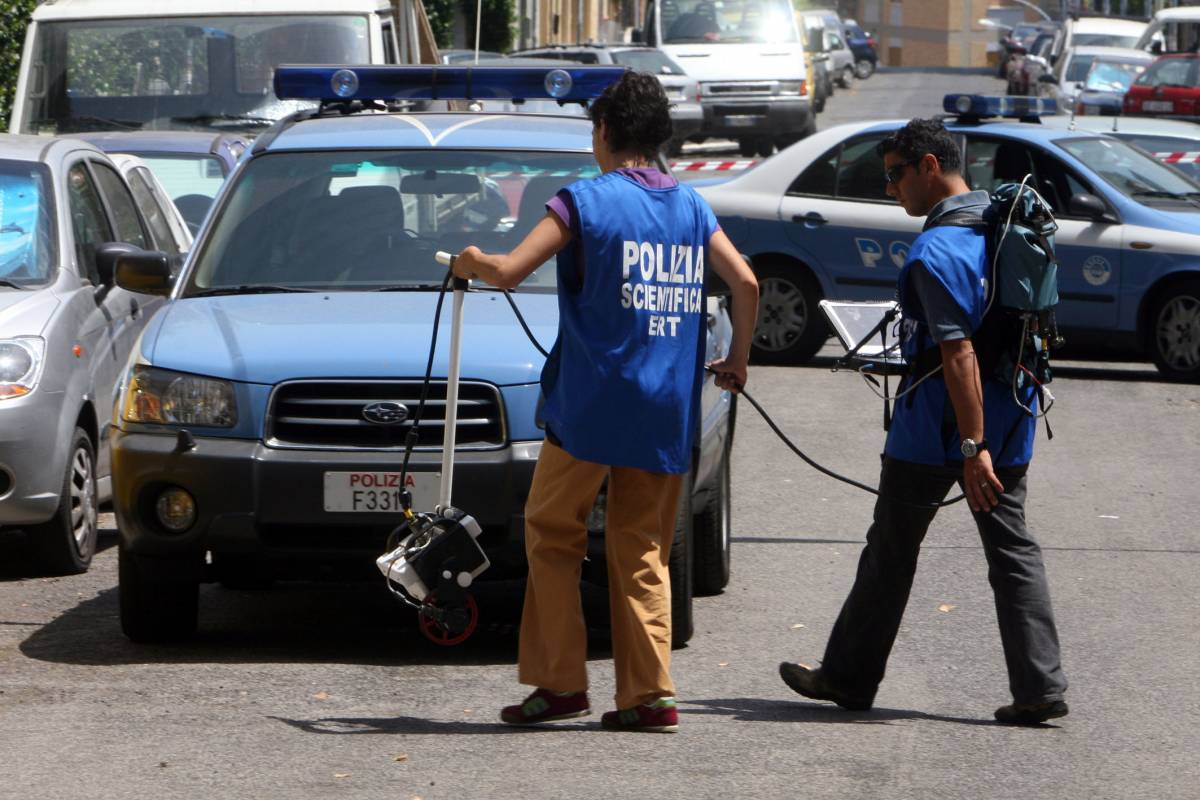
(923, 429)
(622, 384)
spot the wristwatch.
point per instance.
(971, 448)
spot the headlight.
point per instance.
(176, 398)
(791, 87)
(20, 365)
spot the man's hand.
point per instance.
(466, 265)
(730, 373)
(980, 483)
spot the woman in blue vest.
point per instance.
(622, 390)
(953, 423)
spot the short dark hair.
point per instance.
(636, 111)
(920, 137)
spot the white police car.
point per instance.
(816, 222)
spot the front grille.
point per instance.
(329, 415)
(740, 88)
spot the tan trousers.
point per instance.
(640, 526)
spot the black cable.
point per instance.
(524, 327)
(410, 440)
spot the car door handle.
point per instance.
(811, 218)
(134, 309)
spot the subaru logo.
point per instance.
(385, 412)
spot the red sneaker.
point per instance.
(660, 716)
(547, 706)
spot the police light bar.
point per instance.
(979, 105)
(422, 82)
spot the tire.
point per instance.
(1174, 333)
(155, 609)
(747, 147)
(864, 68)
(765, 147)
(712, 531)
(818, 102)
(65, 544)
(846, 78)
(789, 329)
(680, 567)
(784, 142)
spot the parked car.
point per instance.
(1172, 30)
(817, 222)
(191, 165)
(841, 58)
(1098, 31)
(1171, 141)
(683, 92)
(65, 332)
(1107, 82)
(817, 62)
(309, 295)
(467, 56)
(1065, 80)
(1170, 87)
(862, 45)
(168, 228)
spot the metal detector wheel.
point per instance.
(448, 626)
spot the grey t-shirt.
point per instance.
(945, 318)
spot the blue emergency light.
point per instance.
(980, 105)
(421, 82)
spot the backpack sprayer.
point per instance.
(434, 557)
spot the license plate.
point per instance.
(743, 120)
(1158, 105)
(376, 492)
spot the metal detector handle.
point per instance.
(450, 430)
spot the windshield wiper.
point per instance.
(235, 119)
(410, 287)
(1169, 195)
(10, 284)
(251, 288)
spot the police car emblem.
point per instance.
(1097, 270)
(386, 412)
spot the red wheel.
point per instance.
(437, 633)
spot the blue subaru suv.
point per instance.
(245, 444)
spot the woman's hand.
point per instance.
(467, 264)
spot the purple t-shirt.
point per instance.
(650, 177)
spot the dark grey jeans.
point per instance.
(862, 638)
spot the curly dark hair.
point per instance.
(636, 110)
(921, 137)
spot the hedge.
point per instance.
(14, 17)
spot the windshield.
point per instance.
(1102, 40)
(1077, 70)
(1132, 172)
(727, 21)
(26, 229)
(199, 73)
(1177, 151)
(190, 180)
(1113, 76)
(373, 220)
(655, 62)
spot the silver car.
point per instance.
(66, 331)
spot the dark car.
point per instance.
(191, 165)
(862, 44)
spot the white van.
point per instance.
(748, 57)
(1172, 30)
(1098, 32)
(188, 64)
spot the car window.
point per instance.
(1112, 76)
(655, 62)
(835, 41)
(120, 203)
(1078, 67)
(186, 174)
(728, 22)
(365, 220)
(1130, 171)
(1102, 40)
(860, 172)
(27, 254)
(88, 221)
(820, 178)
(992, 162)
(1169, 72)
(154, 214)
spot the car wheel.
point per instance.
(818, 102)
(765, 147)
(155, 608)
(65, 544)
(864, 68)
(846, 79)
(789, 329)
(1175, 335)
(747, 147)
(680, 567)
(712, 530)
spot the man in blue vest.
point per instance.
(951, 424)
(622, 393)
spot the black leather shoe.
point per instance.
(1031, 714)
(811, 683)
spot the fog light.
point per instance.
(176, 509)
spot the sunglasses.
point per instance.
(894, 174)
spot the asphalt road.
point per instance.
(319, 691)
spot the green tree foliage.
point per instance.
(441, 19)
(14, 17)
(496, 32)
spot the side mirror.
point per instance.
(1087, 205)
(1156, 48)
(136, 270)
